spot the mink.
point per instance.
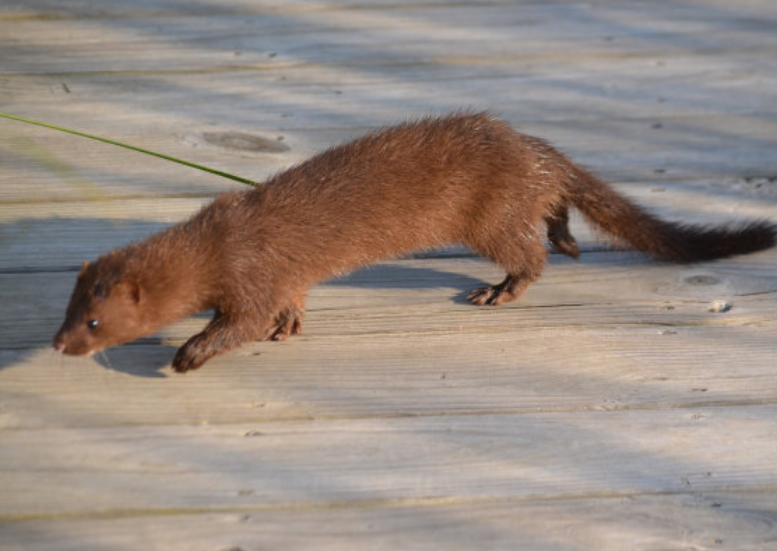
(466, 178)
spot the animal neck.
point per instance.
(174, 274)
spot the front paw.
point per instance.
(191, 355)
(288, 322)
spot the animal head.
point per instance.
(105, 309)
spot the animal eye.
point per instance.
(92, 324)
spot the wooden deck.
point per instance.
(615, 407)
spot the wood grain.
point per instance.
(621, 404)
(728, 521)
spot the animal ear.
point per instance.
(131, 290)
(135, 292)
(84, 266)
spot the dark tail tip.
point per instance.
(696, 243)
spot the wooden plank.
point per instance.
(110, 9)
(116, 8)
(190, 42)
(146, 471)
(233, 97)
(608, 409)
(400, 292)
(60, 236)
(585, 89)
(405, 374)
(321, 100)
(617, 150)
(725, 521)
(399, 340)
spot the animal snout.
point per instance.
(59, 346)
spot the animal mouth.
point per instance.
(61, 347)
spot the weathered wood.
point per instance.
(621, 367)
(399, 340)
(725, 521)
(407, 293)
(612, 407)
(59, 236)
(146, 471)
(617, 149)
(224, 39)
(601, 108)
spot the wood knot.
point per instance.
(241, 141)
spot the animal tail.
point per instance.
(635, 227)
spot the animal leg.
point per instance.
(558, 232)
(524, 266)
(288, 321)
(508, 290)
(223, 333)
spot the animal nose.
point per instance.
(59, 346)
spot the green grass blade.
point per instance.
(133, 148)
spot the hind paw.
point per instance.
(566, 245)
(491, 295)
(510, 289)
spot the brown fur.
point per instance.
(466, 178)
